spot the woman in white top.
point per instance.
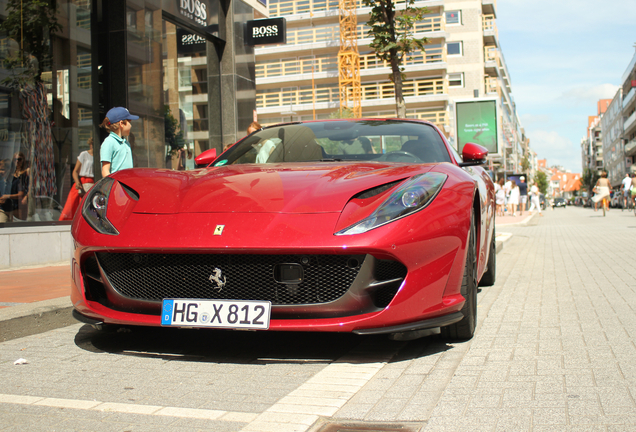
(513, 199)
(83, 179)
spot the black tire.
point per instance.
(488, 279)
(465, 329)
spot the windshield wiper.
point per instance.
(331, 160)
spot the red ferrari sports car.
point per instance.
(365, 226)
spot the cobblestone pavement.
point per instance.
(554, 351)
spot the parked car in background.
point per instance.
(558, 202)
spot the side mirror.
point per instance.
(473, 154)
(206, 158)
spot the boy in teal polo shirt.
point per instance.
(115, 153)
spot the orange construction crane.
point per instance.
(349, 59)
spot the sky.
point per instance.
(562, 57)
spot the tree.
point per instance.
(589, 179)
(542, 182)
(173, 132)
(393, 33)
(343, 113)
(31, 24)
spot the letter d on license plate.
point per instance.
(216, 313)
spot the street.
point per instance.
(554, 351)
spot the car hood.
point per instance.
(288, 188)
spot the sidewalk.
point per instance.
(34, 300)
(515, 220)
(34, 284)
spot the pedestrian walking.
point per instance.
(627, 185)
(513, 199)
(534, 199)
(523, 194)
(500, 197)
(506, 187)
(83, 179)
(116, 153)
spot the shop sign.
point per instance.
(196, 10)
(188, 43)
(271, 31)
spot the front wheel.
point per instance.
(465, 329)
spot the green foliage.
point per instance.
(342, 113)
(393, 33)
(31, 24)
(542, 182)
(173, 133)
(589, 179)
(525, 163)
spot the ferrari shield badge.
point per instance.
(217, 279)
(219, 229)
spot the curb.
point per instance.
(38, 317)
(33, 318)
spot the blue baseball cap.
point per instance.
(118, 114)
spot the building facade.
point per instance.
(592, 146)
(628, 90)
(614, 160)
(461, 69)
(180, 65)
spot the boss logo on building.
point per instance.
(266, 32)
(196, 10)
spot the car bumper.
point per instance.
(427, 294)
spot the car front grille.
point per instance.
(153, 277)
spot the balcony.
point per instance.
(331, 32)
(629, 97)
(371, 91)
(491, 34)
(291, 67)
(492, 85)
(294, 7)
(489, 7)
(629, 123)
(630, 148)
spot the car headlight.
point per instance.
(95, 206)
(411, 197)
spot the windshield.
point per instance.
(369, 140)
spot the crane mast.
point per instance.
(349, 59)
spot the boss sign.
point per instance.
(196, 10)
(266, 32)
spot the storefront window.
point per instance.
(46, 109)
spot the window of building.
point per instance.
(454, 49)
(131, 19)
(453, 17)
(456, 79)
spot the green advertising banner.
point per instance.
(477, 123)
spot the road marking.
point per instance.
(205, 414)
(320, 396)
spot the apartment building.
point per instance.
(614, 160)
(592, 146)
(628, 89)
(462, 63)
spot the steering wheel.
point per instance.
(398, 154)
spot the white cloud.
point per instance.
(590, 93)
(557, 149)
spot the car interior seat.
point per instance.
(424, 150)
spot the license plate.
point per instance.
(232, 314)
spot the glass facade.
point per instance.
(62, 70)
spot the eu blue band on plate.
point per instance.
(166, 312)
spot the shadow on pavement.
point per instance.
(227, 346)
